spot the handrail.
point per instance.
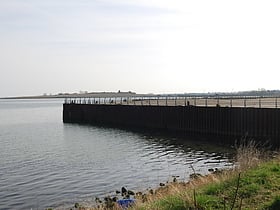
(253, 101)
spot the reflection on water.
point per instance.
(45, 163)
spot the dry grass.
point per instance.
(183, 190)
(249, 154)
(187, 195)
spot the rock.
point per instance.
(144, 198)
(211, 170)
(107, 199)
(77, 205)
(195, 175)
(97, 200)
(124, 191)
(217, 171)
(139, 193)
(126, 197)
(161, 184)
(130, 192)
(118, 192)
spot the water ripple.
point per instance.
(45, 163)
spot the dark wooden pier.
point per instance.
(223, 123)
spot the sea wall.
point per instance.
(225, 123)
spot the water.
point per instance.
(45, 163)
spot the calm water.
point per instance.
(45, 163)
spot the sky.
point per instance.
(145, 46)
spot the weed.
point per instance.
(248, 154)
(257, 188)
(275, 168)
(171, 202)
(214, 189)
(209, 202)
(248, 191)
(275, 205)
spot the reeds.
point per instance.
(249, 154)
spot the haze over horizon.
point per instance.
(142, 46)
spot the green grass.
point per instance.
(171, 202)
(274, 205)
(258, 188)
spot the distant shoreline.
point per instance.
(80, 95)
(253, 93)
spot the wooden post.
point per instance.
(166, 100)
(260, 104)
(206, 102)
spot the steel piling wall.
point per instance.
(230, 123)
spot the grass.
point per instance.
(253, 184)
(256, 188)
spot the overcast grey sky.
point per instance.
(146, 46)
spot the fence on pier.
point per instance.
(253, 101)
(224, 119)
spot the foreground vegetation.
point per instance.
(257, 188)
(253, 184)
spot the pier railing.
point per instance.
(253, 101)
